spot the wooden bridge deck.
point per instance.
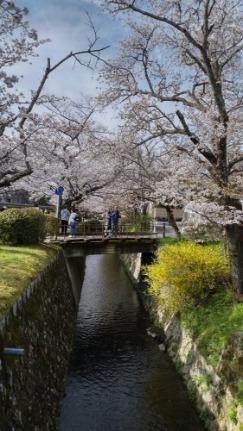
(59, 239)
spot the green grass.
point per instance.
(212, 323)
(168, 240)
(18, 266)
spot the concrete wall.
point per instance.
(41, 322)
(157, 212)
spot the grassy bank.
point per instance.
(194, 281)
(168, 240)
(18, 266)
(212, 323)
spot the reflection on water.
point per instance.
(119, 379)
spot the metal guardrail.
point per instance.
(99, 229)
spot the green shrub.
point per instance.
(185, 273)
(22, 226)
(51, 225)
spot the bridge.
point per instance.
(88, 246)
(92, 238)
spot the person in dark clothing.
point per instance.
(115, 216)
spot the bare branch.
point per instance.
(206, 152)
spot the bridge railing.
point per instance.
(99, 229)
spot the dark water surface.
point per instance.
(119, 379)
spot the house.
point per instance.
(159, 213)
(21, 199)
(15, 198)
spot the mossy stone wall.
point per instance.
(42, 323)
(213, 391)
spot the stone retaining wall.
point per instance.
(42, 323)
(215, 392)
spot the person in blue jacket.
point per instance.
(108, 225)
(115, 216)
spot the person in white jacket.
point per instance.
(65, 214)
(72, 222)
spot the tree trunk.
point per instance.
(235, 242)
(172, 221)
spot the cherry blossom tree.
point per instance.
(181, 72)
(69, 148)
(149, 175)
(18, 43)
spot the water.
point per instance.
(119, 379)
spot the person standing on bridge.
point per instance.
(115, 216)
(65, 214)
(73, 221)
(108, 224)
(107, 227)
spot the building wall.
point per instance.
(160, 213)
(15, 197)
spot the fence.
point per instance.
(87, 229)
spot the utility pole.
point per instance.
(58, 206)
(58, 192)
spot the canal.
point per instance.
(119, 380)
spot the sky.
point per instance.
(65, 23)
